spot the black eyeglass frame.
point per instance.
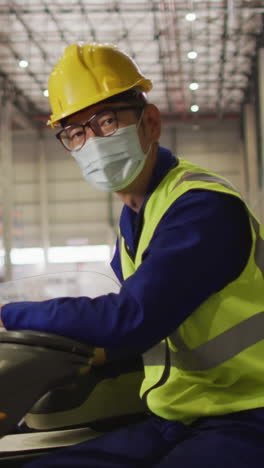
(96, 129)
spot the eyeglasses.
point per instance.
(103, 124)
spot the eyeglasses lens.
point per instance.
(105, 122)
(73, 138)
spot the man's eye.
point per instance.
(75, 134)
(109, 120)
(106, 121)
(108, 125)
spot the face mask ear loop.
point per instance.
(140, 118)
(137, 127)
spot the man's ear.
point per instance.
(152, 122)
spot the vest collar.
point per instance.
(130, 221)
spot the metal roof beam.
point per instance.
(30, 34)
(126, 7)
(50, 13)
(84, 12)
(157, 37)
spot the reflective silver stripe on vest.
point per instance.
(223, 347)
(214, 352)
(203, 177)
(155, 356)
(177, 340)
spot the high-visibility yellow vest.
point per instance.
(213, 363)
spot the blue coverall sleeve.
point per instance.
(201, 244)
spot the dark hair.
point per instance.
(132, 96)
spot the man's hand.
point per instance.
(99, 357)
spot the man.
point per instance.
(190, 259)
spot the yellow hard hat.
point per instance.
(89, 73)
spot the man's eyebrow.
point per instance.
(67, 124)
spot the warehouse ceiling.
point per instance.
(208, 45)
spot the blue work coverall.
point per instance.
(200, 245)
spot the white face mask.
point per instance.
(112, 163)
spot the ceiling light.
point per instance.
(194, 108)
(190, 17)
(23, 63)
(192, 54)
(193, 86)
(46, 92)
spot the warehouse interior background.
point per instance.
(206, 60)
